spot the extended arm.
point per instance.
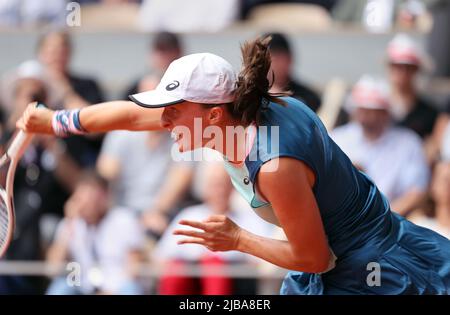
(103, 117)
(120, 115)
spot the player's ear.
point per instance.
(215, 114)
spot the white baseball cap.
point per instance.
(201, 78)
(402, 49)
(371, 93)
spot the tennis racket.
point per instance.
(8, 164)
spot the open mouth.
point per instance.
(176, 136)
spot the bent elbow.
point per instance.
(316, 265)
(319, 267)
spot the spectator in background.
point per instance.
(105, 242)
(217, 193)
(145, 176)
(32, 13)
(68, 89)
(404, 62)
(435, 215)
(392, 156)
(54, 52)
(44, 178)
(139, 164)
(165, 48)
(281, 67)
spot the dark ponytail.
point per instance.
(252, 87)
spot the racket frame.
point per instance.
(13, 154)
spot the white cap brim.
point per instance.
(154, 99)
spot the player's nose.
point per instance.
(165, 122)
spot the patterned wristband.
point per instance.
(67, 122)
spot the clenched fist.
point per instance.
(36, 120)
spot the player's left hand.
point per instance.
(217, 233)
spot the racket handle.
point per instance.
(20, 142)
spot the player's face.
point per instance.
(186, 122)
(195, 125)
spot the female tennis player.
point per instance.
(342, 237)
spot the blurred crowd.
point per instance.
(184, 16)
(110, 202)
(179, 16)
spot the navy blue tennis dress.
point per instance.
(376, 251)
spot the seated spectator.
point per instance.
(217, 193)
(68, 90)
(144, 175)
(392, 156)
(105, 242)
(435, 215)
(165, 48)
(54, 52)
(404, 62)
(281, 68)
